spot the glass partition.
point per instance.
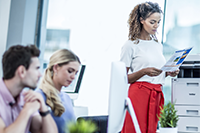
(181, 30)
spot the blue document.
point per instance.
(176, 60)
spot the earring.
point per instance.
(51, 73)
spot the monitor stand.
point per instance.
(131, 111)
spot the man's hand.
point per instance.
(32, 106)
(31, 96)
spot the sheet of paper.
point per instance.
(176, 60)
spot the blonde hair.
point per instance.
(143, 10)
(60, 57)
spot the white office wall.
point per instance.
(4, 19)
(98, 29)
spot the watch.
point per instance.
(43, 114)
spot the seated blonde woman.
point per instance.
(61, 71)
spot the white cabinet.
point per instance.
(186, 96)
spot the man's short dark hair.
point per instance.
(16, 56)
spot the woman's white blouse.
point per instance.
(147, 53)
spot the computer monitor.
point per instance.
(73, 89)
(119, 102)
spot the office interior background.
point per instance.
(95, 30)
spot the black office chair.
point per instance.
(100, 121)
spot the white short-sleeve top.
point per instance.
(147, 53)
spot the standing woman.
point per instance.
(61, 71)
(142, 54)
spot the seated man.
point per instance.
(19, 110)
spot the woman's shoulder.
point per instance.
(130, 44)
(38, 90)
(41, 92)
(157, 43)
(65, 95)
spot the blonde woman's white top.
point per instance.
(147, 53)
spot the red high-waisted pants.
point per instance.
(146, 99)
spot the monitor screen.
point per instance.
(73, 89)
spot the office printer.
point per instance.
(190, 67)
(186, 95)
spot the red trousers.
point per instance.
(146, 99)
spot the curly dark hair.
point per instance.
(143, 10)
(18, 55)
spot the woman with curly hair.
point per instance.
(142, 54)
(61, 71)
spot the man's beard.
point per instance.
(31, 87)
